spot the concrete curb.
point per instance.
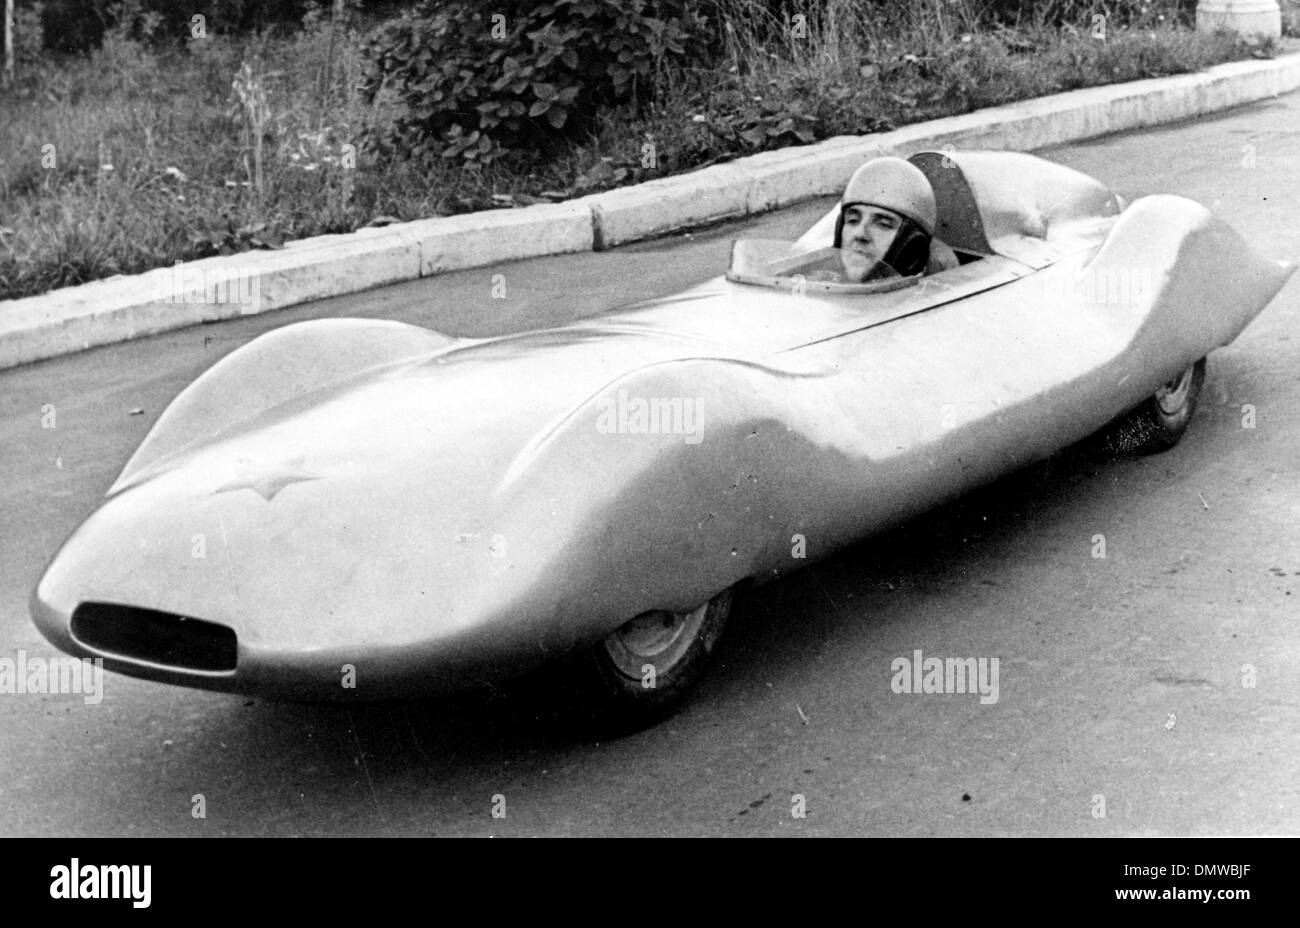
(121, 308)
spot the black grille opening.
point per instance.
(156, 637)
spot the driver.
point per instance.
(886, 224)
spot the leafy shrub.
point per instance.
(183, 181)
(747, 122)
(472, 84)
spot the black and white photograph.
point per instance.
(651, 418)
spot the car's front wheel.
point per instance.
(642, 671)
(1161, 420)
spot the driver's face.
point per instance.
(868, 233)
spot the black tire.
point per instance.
(642, 672)
(1161, 420)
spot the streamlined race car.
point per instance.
(386, 510)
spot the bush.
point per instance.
(472, 84)
(169, 153)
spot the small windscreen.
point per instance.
(803, 268)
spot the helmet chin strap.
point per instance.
(910, 251)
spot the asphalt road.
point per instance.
(1120, 677)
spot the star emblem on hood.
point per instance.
(266, 478)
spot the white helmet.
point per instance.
(895, 185)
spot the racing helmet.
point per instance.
(900, 187)
(895, 185)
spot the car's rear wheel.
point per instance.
(1161, 420)
(642, 671)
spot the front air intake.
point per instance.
(155, 637)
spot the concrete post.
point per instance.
(1261, 18)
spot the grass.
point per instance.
(132, 158)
